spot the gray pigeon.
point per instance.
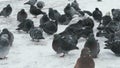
(6, 11)
(31, 2)
(70, 11)
(75, 5)
(4, 46)
(36, 33)
(64, 43)
(116, 14)
(113, 43)
(97, 15)
(26, 25)
(44, 19)
(64, 20)
(93, 45)
(51, 13)
(57, 15)
(10, 35)
(35, 11)
(50, 27)
(88, 22)
(22, 15)
(54, 14)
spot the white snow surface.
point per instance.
(27, 54)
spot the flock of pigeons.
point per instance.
(67, 40)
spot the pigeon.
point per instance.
(114, 47)
(62, 44)
(75, 29)
(88, 22)
(64, 20)
(10, 35)
(110, 41)
(54, 14)
(4, 46)
(97, 15)
(31, 2)
(87, 27)
(26, 25)
(50, 27)
(85, 60)
(57, 15)
(93, 45)
(116, 35)
(40, 4)
(79, 29)
(6, 11)
(22, 15)
(116, 14)
(75, 5)
(44, 19)
(106, 19)
(70, 11)
(113, 39)
(112, 27)
(51, 14)
(86, 31)
(35, 11)
(36, 33)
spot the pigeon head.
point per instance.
(50, 9)
(85, 52)
(4, 40)
(112, 9)
(5, 30)
(75, 1)
(96, 8)
(55, 11)
(22, 10)
(45, 16)
(8, 5)
(68, 6)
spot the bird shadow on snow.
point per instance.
(69, 55)
(19, 32)
(40, 42)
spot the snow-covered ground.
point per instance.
(27, 54)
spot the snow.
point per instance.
(27, 54)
